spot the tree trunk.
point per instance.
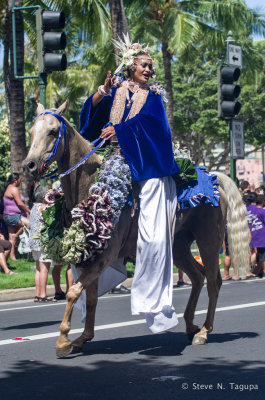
(119, 23)
(168, 83)
(14, 87)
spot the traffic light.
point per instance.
(228, 92)
(49, 40)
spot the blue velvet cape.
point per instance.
(145, 139)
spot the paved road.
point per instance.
(125, 361)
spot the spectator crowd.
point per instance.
(16, 216)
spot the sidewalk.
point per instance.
(29, 293)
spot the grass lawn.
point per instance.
(25, 266)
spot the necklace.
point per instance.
(135, 89)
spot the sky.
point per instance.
(255, 3)
(250, 3)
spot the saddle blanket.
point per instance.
(203, 190)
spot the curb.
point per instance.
(29, 293)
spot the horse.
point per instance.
(204, 223)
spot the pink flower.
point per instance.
(136, 46)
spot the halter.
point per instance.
(56, 144)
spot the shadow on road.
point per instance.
(32, 325)
(167, 344)
(134, 379)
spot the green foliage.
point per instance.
(253, 100)
(4, 150)
(195, 106)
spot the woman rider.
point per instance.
(134, 115)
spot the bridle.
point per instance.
(62, 132)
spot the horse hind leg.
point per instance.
(185, 261)
(91, 304)
(64, 345)
(214, 282)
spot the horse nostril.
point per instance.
(32, 166)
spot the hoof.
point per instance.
(198, 340)
(191, 335)
(64, 351)
(76, 349)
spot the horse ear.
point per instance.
(40, 108)
(61, 110)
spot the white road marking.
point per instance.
(59, 303)
(126, 323)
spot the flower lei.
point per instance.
(94, 220)
(158, 88)
(181, 152)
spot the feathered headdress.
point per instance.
(127, 52)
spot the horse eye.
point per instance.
(53, 132)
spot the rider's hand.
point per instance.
(108, 82)
(108, 132)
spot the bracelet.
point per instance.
(102, 91)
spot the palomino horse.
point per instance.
(204, 223)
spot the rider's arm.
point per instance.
(105, 90)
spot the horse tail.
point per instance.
(237, 226)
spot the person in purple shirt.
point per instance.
(15, 210)
(256, 221)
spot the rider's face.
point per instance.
(144, 69)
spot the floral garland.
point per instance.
(158, 88)
(94, 220)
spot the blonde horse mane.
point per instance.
(237, 226)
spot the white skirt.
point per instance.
(152, 287)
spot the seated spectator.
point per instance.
(5, 247)
(3, 227)
(14, 214)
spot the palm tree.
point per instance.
(179, 24)
(119, 23)
(14, 87)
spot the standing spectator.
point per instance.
(56, 272)
(260, 201)
(15, 210)
(245, 187)
(256, 221)
(42, 265)
(181, 282)
(56, 276)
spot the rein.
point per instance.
(55, 148)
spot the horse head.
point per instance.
(47, 141)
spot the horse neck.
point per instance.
(76, 184)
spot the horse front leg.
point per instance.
(91, 304)
(64, 345)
